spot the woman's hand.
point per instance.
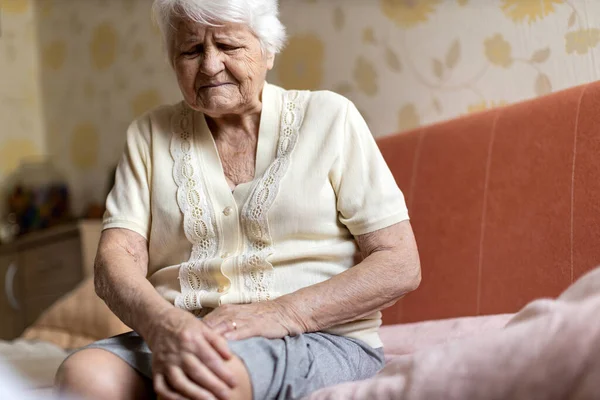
(188, 358)
(269, 319)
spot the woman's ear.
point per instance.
(270, 61)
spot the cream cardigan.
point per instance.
(320, 180)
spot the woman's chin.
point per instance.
(214, 106)
(218, 108)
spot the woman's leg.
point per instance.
(98, 374)
(243, 390)
(293, 367)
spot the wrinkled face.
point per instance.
(220, 70)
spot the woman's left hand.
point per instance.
(268, 319)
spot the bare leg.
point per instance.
(95, 374)
(243, 390)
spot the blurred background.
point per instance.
(76, 73)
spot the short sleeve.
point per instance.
(128, 203)
(368, 198)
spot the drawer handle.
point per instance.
(9, 286)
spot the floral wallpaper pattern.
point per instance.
(112, 70)
(406, 63)
(80, 71)
(21, 123)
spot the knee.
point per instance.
(243, 391)
(88, 374)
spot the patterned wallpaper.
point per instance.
(21, 122)
(403, 62)
(102, 65)
(411, 62)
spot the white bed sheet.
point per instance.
(36, 362)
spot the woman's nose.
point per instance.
(212, 62)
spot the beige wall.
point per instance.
(101, 66)
(21, 119)
(412, 62)
(403, 62)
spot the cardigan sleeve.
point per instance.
(128, 203)
(368, 198)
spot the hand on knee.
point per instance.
(184, 382)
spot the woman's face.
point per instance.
(220, 70)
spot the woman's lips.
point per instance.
(214, 85)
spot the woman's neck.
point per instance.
(236, 128)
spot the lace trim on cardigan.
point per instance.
(199, 219)
(256, 270)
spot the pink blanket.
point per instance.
(549, 350)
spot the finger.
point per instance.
(198, 344)
(217, 341)
(209, 357)
(204, 377)
(163, 390)
(213, 319)
(223, 328)
(186, 388)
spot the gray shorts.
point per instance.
(287, 368)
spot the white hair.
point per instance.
(261, 16)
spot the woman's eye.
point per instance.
(192, 51)
(227, 47)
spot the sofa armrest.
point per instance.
(403, 339)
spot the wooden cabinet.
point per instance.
(11, 311)
(39, 268)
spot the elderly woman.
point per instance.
(230, 234)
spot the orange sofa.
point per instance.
(505, 204)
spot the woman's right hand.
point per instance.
(188, 358)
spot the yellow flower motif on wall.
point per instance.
(408, 118)
(14, 6)
(408, 13)
(484, 105)
(103, 47)
(498, 51)
(13, 150)
(144, 101)
(365, 76)
(85, 142)
(54, 54)
(582, 41)
(530, 10)
(45, 8)
(368, 36)
(300, 65)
